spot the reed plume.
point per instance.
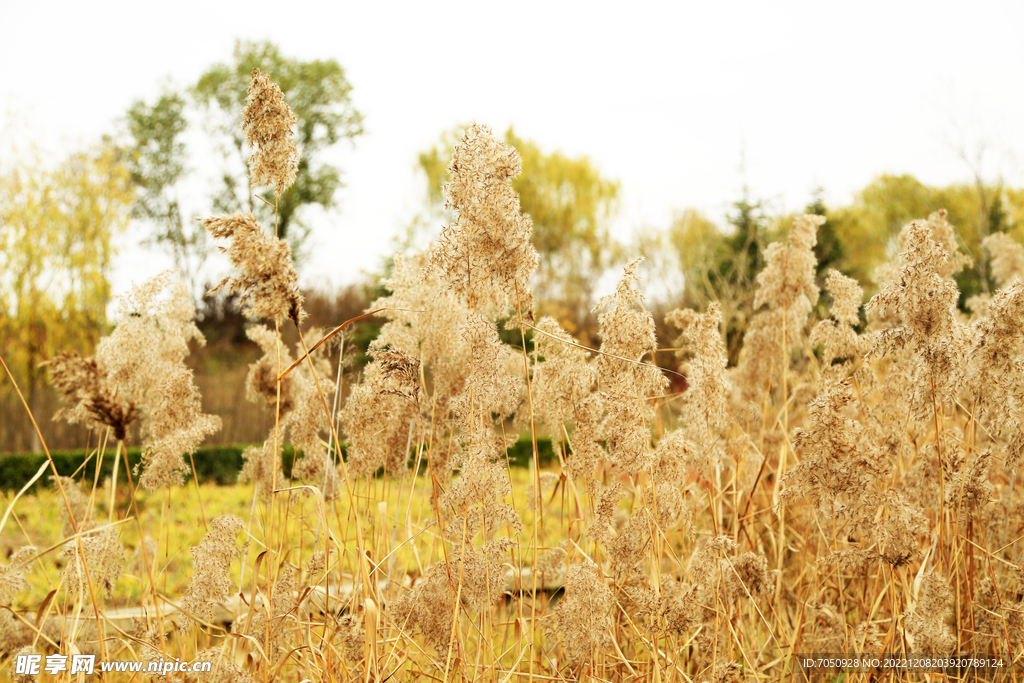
(267, 282)
(486, 255)
(267, 122)
(139, 369)
(211, 565)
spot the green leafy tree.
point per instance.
(317, 92)
(744, 246)
(570, 204)
(56, 247)
(156, 161)
(320, 96)
(976, 210)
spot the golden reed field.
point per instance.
(846, 491)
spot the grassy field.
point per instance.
(176, 520)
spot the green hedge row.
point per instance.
(219, 464)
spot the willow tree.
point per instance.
(57, 228)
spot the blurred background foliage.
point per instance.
(57, 232)
(59, 227)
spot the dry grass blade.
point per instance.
(26, 487)
(576, 344)
(335, 331)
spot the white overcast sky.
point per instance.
(665, 97)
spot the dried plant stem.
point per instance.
(454, 638)
(271, 507)
(575, 344)
(368, 589)
(113, 477)
(142, 548)
(327, 337)
(67, 504)
(538, 499)
(895, 630)
(199, 496)
(781, 546)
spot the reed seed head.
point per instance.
(211, 565)
(267, 281)
(267, 122)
